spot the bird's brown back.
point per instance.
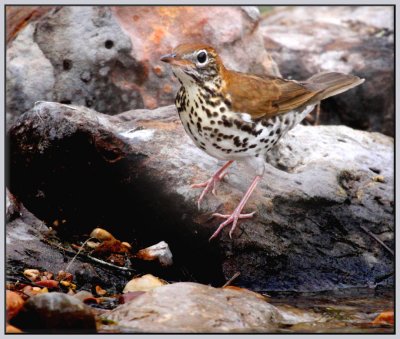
(271, 96)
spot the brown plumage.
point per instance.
(270, 96)
(237, 116)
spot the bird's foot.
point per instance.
(208, 185)
(236, 215)
(211, 183)
(231, 219)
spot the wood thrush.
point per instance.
(237, 116)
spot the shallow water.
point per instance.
(343, 311)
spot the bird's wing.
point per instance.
(265, 97)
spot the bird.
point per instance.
(235, 116)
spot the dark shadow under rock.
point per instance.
(131, 174)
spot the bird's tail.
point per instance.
(328, 84)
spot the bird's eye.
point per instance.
(202, 57)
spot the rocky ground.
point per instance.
(78, 169)
(100, 168)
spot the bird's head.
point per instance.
(194, 63)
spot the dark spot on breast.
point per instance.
(236, 141)
(198, 126)
(199, 119)
(278, 131)
(209, 115)
(188, 127)
(253, 146)
(212, 122)
(238, 123)
(246, 128)
(219, 139)
(215, 114)
(271, 133)
(222, 109)
(227, 123)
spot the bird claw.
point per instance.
(212, 182)
(230, 218)
(203, 184)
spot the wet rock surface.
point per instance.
(108, 58)
(349, 39)
(55, 313)
(132, 172)
(190, 307)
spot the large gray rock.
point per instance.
(190, 307)
(109, 58)
(350, 39)
(132, 173)
(29, 75)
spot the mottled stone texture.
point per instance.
(353, 39)
(131, 174)
(190, 307)
(109, 58)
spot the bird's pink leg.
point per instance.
(210, 183)
(235, 216)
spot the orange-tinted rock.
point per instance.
(383, 318)
(17, 17)
(14, 303)
(156, 30)
(116, 65)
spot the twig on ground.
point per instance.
(231, 279)
(377, 239)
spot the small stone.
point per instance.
(14, 303)
(101, 234)
(55, 313)
(32, 274)
(144, 283)
(160, 252)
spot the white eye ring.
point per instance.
(202, 57)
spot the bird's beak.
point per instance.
(168, 57)
(175, 60)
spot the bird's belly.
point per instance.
(229, 135)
